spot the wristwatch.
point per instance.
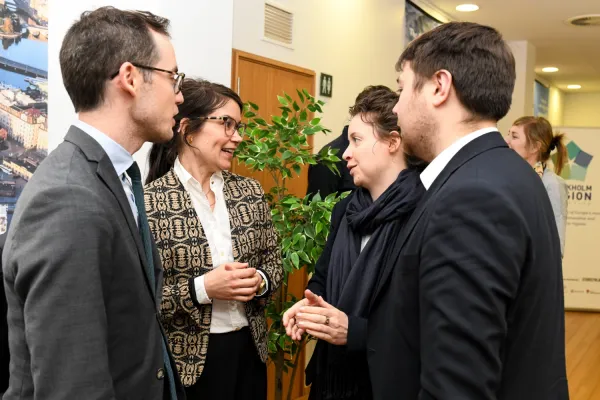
(261, 288)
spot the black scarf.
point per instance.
(352, 276)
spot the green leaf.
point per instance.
(287, 155)
(300, 95)
(303, 255)
(310, 231)
(315, 121)
(254, 148)
(319, 227)
(303, 116)
(296, 107)
(297, 169)
(254, 106)
(297, 238)
(261, 121)
(295, 260)
(282, 100)
(249, 114)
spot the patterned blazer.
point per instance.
(185, 254)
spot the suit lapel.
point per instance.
(198, 236)
(229, 188)
(472, 149)
(108, 175)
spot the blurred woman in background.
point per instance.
(533, 139)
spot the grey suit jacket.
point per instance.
(83, 320)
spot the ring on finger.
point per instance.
(326, 320)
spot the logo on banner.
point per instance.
(577, 166)
(576, 170)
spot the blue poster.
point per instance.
(541, 99)
(23, 97)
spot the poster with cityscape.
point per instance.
(23, 97)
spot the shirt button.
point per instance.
(160, 374)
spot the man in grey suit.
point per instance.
(82, 276)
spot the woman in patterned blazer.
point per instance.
(218, 246)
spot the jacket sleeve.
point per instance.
(54, 267)
(270, 258)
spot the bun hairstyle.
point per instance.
(539, 131)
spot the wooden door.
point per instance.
(260, 80)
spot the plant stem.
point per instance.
(295, 368)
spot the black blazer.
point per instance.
(322, 180)
(82, 314)
(473, 305)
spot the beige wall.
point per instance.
(582, 109)
(357, 42)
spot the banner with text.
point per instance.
(581, 263)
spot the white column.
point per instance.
(522, 100)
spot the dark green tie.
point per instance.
(144, 229)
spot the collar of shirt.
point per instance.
(438, 164)
(216, 180)
(119, 157)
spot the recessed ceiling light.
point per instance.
(574, 87)
(550, 69)
(467, 7)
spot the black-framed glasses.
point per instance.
(176, 76)
(230, 124)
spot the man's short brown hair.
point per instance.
(481, 63)
(98, 44)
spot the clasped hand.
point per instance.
(313, 315)
(232, 281)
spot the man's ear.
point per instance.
(442, 81)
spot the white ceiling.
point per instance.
(574, 50)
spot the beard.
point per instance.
(419, 138)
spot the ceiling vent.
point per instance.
(278, 24)
(585, 20)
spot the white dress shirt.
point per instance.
(120, 158)
(435, 168)
(227, 316)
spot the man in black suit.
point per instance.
(470, 303)
(82, 275)
(321, 179)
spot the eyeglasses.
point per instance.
(176, 76)
(230, 124)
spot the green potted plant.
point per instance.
(280, 146)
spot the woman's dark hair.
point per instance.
(539, 130)
(374, 105)
(201, 98)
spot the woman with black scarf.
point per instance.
(362, 227)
